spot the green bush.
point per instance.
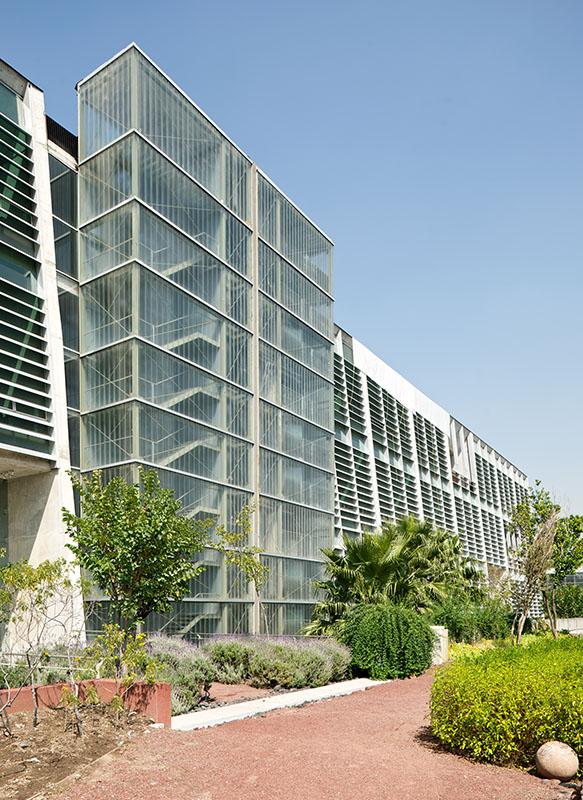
(388, 641)
(469, 621)
(290, 663)
(187, 668)
(501, 706)
(569, 601)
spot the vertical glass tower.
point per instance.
(206, 339)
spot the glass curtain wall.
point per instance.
(296, 406)
(180, 239)
(64, 203)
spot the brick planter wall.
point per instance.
(151, 700)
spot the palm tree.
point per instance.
(408, 562)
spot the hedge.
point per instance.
(501, 706)
(569, 601)
(469, 621)
(388, 641)
(290, 663)
(189, 671)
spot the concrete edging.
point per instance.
(252, 708)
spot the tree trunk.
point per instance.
(549, 595)
(521, 621)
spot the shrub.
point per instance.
(230, 658)
(187, 668)
(469, 621)
(502, 705)
(569, 601)
(291, 663)
(388, 641)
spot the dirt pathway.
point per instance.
(369, 746)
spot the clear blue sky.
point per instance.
(438, 142)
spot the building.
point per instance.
(165, 305)
(206, 336)
(34, 445)
(397, 453)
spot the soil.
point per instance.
(224, 694)
(34, 759)
(372, 745)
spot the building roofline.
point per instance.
(20, 75)
(339, 329)
(491, 447)
(137, 48)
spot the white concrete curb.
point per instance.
(251, 708)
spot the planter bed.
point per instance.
(151, 700)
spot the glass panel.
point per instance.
(24, 440)
(177, 198)
(290, 232)
(72, 378)
(294, 530)
(295, 437)
(291, 579)
(172, 384)
(181, 260)
(285, 619)
(289, 384)
(65, 248)
(202, 499)
(181, 131)
(69, 307)
(104, 105)
(107, 436)
(133, 231)
(64, 196)
(295, 338)
(170, 441)
(107, 242)
(295, 481)
(177, 322)
(18, 269)
(74, 445)
(11, 105)
(108, 376)
(106, 180)
(107, 304)
(285, 284)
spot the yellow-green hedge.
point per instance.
(501, 706)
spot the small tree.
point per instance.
(234, 545)
(567, 557)
(42, 606)
(534, 522)
(141, 549)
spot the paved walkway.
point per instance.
(371, 745)
(253, 708)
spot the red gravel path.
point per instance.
(368, 746)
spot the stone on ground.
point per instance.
(557, 760)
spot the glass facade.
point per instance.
(63, 177)
(205, 338)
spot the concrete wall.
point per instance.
(38, 487)
(441, 645)
(572, 624)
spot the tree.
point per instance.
(567, 557)
(534, 523)
(141, 549)
(408, 562)
(42, 606)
